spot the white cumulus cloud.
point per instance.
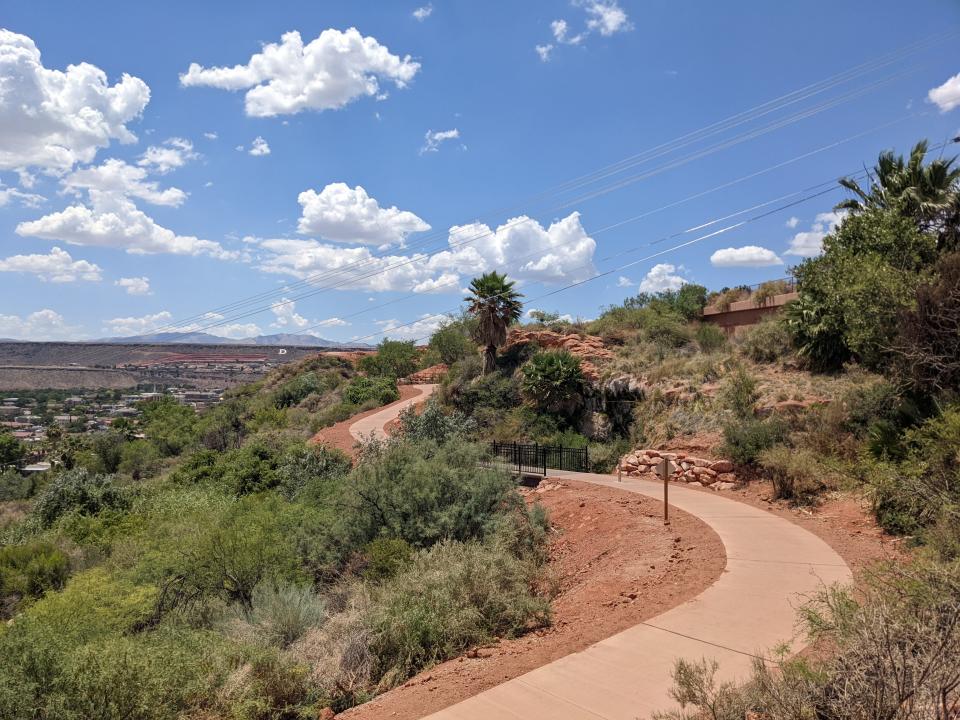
(560, 253)
(115, 176)
(53, 119)
(24, 198)
(433, 139)
(605, 16)
(422, 13)
(112, 220)
(327, 73)
(810, 243)
(286, 316)
(135, 285)
(349, 215)
(946, 96)
(624, 282)
(40, 325)
(57, 266)
(173, 153)
(661, 277)
(792, 222)
(420, 329)
(543, 52)
(746, 256)
(259, 146)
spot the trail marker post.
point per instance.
(666, 468)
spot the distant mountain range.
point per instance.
(201, 338)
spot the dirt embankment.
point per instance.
(616, 565)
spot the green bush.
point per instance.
(435, 425)
(796, 473)
(78, 491)
(766, 342)
(381, 390)
(739, 394)
(170, 426)
(744, 440)
(553, 381)
(296, 389)
(393, 359)
(283, 613)
(452, 341)
(28, 571)
(452, 597)
(710, 338)
(385, 557)
(416, 492)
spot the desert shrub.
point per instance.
(311, 471)
(766, 342)
(726, 297)
(769, 290)
(296, 389)
(385, 557)
(223, 427)
(269, 685)
(667, 331)
(796, 473)
(744, 440)
(453, 596)
(895, 653)
(282, 613)
(253, 542)
(393, 359)
(494, 390)
(139, 459)
(605, 456)
(78, 491)
(14, 486)
(452, 342)
(28, 571)
(710, 338)
(553, 381)
(433, 424)
(739, 393)
(168, 425)
(928, 347)
(381, 390)
(417, 492)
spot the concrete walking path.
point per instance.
(772, 565)
(373, 425)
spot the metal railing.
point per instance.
(526, 459)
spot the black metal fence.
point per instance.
(536, 459)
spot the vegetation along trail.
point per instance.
(772, 565)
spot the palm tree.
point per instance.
(930, 193)
(495, 305)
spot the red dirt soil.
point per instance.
(615, 564)
(339, 436)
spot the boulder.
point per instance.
(727, 477)
(722, 466)
(723, 486)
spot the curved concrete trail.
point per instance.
(373, 425)
(772, 565)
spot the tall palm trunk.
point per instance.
(489, 359)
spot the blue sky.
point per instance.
(163, 161)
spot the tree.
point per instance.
(11, 450)
(851, 297)
(928, 349)
(929, 194)
(451, 341)
(495, 305)
(169, 425)
(394, 359)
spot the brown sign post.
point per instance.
(666, 468)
